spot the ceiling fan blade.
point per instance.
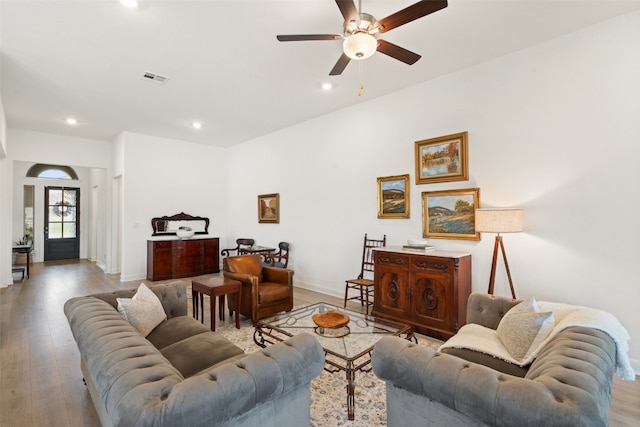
(340, 65)
(411, 13)
(304, 37)
(397, 52)
(348, 9)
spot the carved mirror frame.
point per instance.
(168, 225)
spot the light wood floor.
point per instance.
(40, 379)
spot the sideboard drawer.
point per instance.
(442, 265)
(391, 259)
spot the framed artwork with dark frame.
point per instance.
(450, 214)
(442, 159)
(269, 208)
(393, 196)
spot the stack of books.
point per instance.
(419, 245)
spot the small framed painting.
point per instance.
(450, 214)
(442, 159)
(393, 196)
(269, 208)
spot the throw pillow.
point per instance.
(144, 311)
(524, 328)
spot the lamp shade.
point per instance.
(359, 45)
(499, 220)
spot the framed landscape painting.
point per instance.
(393, 196)
(450, 214)
(269, 208)
(442, 159)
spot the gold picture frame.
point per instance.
(450, 214)
(269, 208)
(442, 159)
(393, 196)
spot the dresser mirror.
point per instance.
(168, 225)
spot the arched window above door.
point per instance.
(41, 170)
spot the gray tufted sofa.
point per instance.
(182, 374)
(568, 384)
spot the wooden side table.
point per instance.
(215, 287)
(23, 249)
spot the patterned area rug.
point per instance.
(328, 391)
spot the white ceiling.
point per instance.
(86, 58)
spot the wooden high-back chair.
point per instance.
(240, 243)
(363, 284)
(279, 259)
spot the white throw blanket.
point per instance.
(485, 340)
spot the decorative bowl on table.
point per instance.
(185, 232)
(332, 319)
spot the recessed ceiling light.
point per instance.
(71, 121)
(131, 4)
(326, 86)
(196, 125)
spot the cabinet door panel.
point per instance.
(211, 257)
(158, 260)
(391, 293)
(188, 258)
(432, 300)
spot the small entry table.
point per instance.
(215, 287)
(23, 249)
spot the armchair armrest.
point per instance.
(242, 277)
(277, 275)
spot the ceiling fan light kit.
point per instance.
(359, 29)
(360, 46)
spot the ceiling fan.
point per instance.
(360, 29)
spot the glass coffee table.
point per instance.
(347, 348)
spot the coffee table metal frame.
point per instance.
(345, 348)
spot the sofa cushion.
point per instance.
(144, 311)
(488, 360)
(196, 353)
(175, 329)
(523, 329)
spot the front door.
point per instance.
(62, 223)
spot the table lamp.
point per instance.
(499, 220)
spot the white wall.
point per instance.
(5, 204)
(164, 177)
(553, 129)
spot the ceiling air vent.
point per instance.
(156, 78)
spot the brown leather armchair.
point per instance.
(265, 290)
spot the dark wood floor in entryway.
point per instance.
(40, 379)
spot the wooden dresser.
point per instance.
(171, 258)
(427, 290)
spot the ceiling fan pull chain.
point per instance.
(361, 73)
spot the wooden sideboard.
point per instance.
(427, 290)
(174, 258)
